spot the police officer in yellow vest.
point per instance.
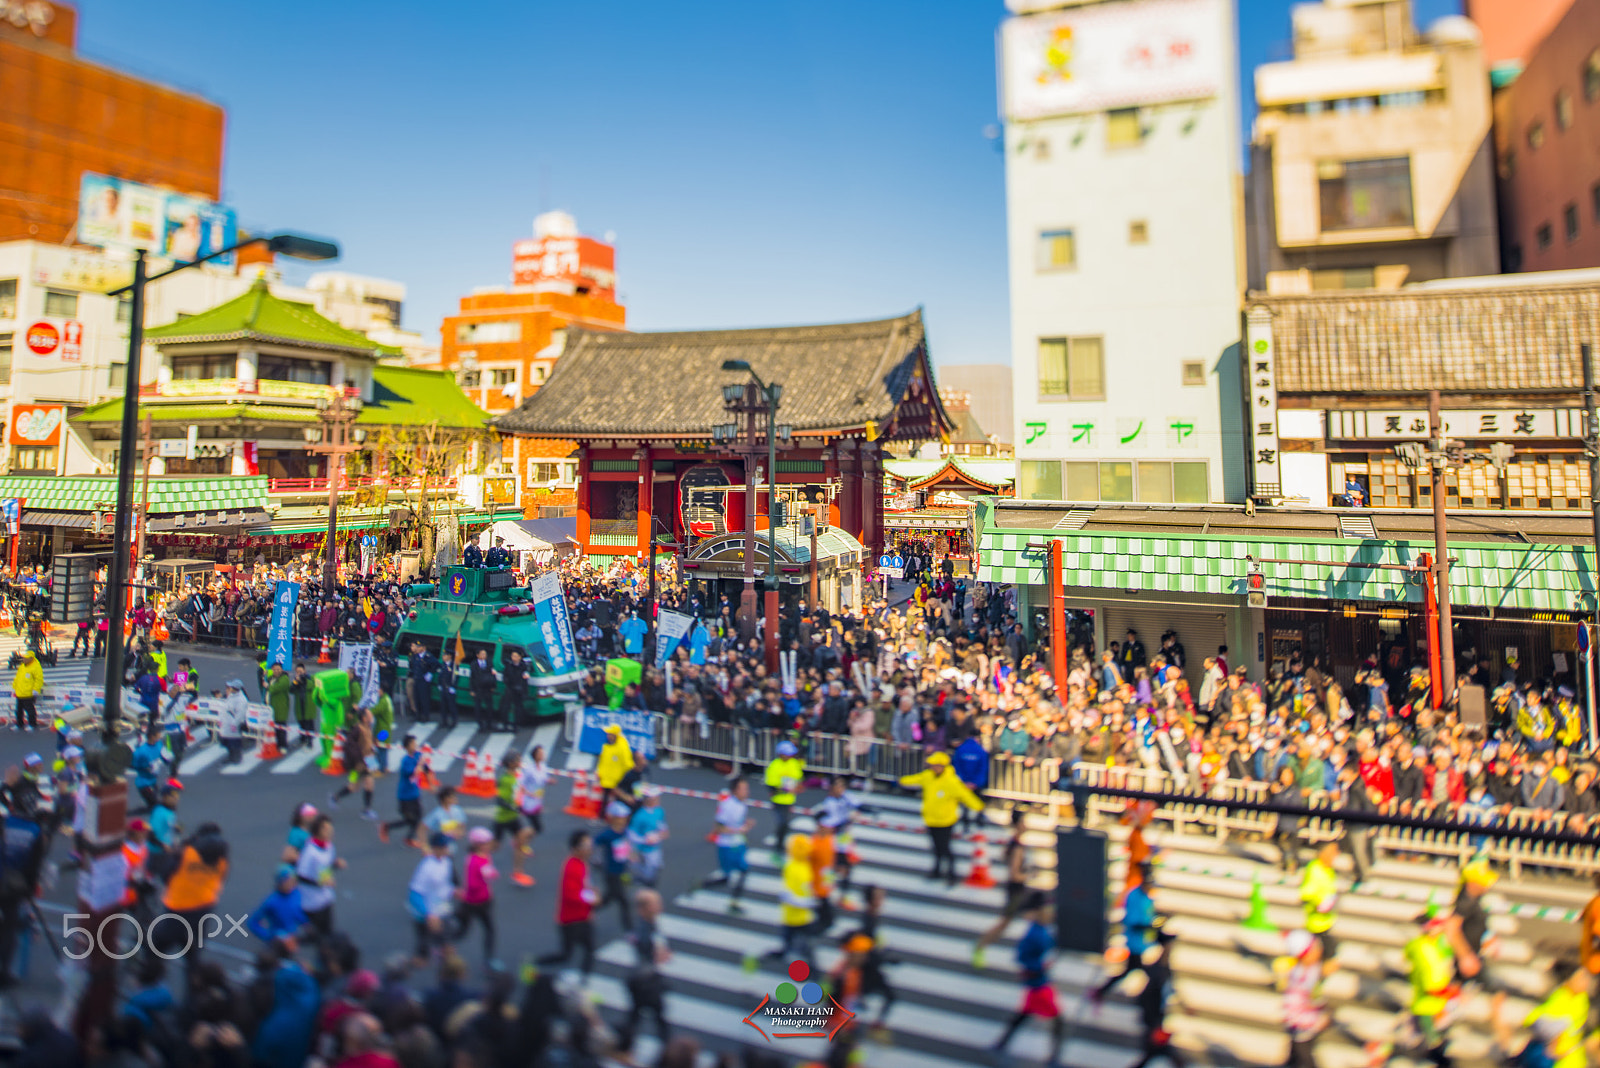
(614, 764)
(943, 794)
(783, 779)
(1432, 959)
(1319, 896)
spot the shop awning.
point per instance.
(933, 519)
(208, 522)
(55, 519)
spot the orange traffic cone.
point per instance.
(323, 657)
(979, 875)
(582, 805)
(486, 783)
(269, 745)
(336, 758)
(426, 779)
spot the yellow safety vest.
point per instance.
(1572, 1009)
(1319, 886)
(1432, 970)
(781, 770)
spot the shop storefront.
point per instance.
(717, 564)
(1344, 601)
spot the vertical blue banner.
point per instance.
(671, 629)
(550, 609)
(280, 634)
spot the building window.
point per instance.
(1191, 483)
(59, 305)
(124, 309)
(503, 376)
(1123, 128)
(1116, 481)
(1155, 482)
(1072, 368)
(1569, 221)
(116, 376)
(469, 379)
(1057, 251)
(5, 359)
(479, 333)
(1535, 135)
(1194, 373)
(1365, 194)
(8, 298)
(1591, 77)
(1563, 110)
(1083, 481)
(539, 372)
(33, 459)
(1344, 278)
(1040, 479)
(1541, 237)
(1138, 232)
(294, 369)
(540, 473)
(201, 368)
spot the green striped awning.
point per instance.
(1534, 577)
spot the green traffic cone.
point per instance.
(1257, 919)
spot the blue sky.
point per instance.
(760, 163)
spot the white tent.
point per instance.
(527, 546)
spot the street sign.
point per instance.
(1583, 638)
(893, 566)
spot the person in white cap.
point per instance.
(231, 720)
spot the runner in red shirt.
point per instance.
(575, 905)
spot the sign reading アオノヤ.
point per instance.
(1104, 56)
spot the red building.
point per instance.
(641, 408)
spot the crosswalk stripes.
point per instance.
(445, 751)
(297, 760)
(201, 758)
(949, 1011)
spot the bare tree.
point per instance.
(410, 463)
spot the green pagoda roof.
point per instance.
(401, 396)
(258, 315)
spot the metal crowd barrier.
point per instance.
(1189, 811)
(822, 754)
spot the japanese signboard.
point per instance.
(280, 632)
(36, 424)
(46, 341)
(1499, 424)
(555, 627)
(123, 215)
(1261, 368)
(565, 263)
(671, 629)
(1103, 56)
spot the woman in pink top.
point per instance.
(477, 895)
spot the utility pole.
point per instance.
(1591, 446)
(1439, 460)
(147, 432)
(334, 439)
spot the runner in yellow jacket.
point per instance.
(943, 794)
(613, 764)
(1319, 896)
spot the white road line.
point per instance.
(444, 754)
(495, 746)
(297, 760)
(247, 763)
(206, 757)
(547, 735)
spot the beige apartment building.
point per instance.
(1371, 158)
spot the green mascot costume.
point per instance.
(619, 674)
(331, 691)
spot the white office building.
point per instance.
(1126, 250)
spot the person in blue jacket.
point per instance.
(1139, 930)
(147, 761)
(284, 1037)
(280, 915)
(971, 764)
(1035, 952)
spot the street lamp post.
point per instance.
(770, 395)
(335, 438)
